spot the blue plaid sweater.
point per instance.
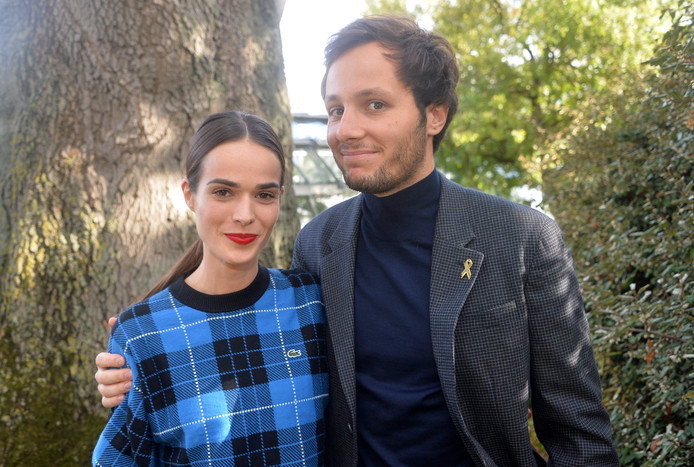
(218, 380)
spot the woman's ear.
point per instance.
(188, 194)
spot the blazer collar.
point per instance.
(337, 277)
(451, 223)
(453, 273)
(348, 228)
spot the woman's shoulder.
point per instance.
(301, 285)
(297, 290)
(141, 312)
(295, 277)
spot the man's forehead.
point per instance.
(361, 72)
(365, 93)
(369, 52)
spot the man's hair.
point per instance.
(425, 62)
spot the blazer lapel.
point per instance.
(337, 279)
(453, 274)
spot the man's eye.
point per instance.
(266, 195)
(221, 192)
(335, 112)
(376, 105)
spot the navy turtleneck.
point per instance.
(402, 417)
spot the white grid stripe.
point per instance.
(197, 382)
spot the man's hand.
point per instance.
(113, 384)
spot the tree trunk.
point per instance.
(98, 102)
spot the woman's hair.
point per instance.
(425, 62)
(219, 128)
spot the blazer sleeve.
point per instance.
(569, 417)
(127, 439)
(308, 247)
(297, 258)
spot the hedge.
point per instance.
(623, 194)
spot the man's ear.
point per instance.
(188, 194)
(436, 118)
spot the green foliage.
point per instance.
(624, 195)
(526, 68)
(375, 7)
(418, 9)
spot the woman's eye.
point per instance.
(221, 192)
(266, 195)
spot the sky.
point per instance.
(305, 27)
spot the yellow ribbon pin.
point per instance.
(467, 271)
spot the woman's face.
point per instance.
(236, 204)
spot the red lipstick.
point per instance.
(241, 239)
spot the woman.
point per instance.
(228, 357)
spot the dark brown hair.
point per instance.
(217, 129)
(425, 61)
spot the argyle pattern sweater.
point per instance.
(219, 380)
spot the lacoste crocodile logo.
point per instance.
(294, 353)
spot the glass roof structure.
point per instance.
(318, 182)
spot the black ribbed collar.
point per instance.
(224, 302)
(409, 214)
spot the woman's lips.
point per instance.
(241, 239)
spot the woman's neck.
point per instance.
(221, 280)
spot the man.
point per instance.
(448, 309)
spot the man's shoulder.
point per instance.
(331, 217)
(333, 227)
(478, 204)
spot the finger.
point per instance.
(110, 402)
(108, 377)
(111, 322)
(105, 360)
(114, 390)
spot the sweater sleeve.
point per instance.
(127, 438)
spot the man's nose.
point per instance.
(350, 126)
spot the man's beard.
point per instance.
(409, 154)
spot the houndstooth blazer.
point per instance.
(507, 325)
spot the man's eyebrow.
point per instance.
(370, 92)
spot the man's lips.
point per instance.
(356, 151)
(354, 156)
(241, 239)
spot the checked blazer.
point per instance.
(507, 325)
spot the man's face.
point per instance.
(376, 132)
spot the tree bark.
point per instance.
(98, 102)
